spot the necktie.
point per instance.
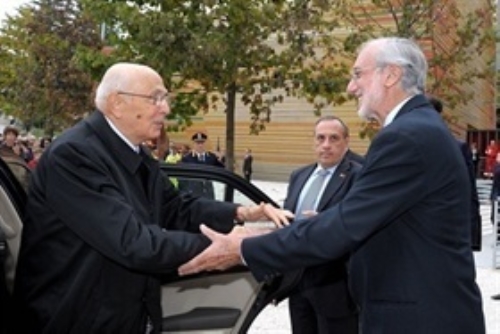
(312, 193)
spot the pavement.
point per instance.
(276, 320)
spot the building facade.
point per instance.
(287, 141)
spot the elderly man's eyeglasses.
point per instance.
(357, 72)
(157, 99)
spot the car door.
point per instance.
(216, 302)
(12, 201)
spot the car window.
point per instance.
(217, 190)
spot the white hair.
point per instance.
(119, 77)
(408, 55)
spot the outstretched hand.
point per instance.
(223, 253)
(279, 217)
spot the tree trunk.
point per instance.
(230, 110)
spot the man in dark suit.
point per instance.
(247, 164)
(476, 222)
(199, 155)
(102, 223)
(321, 302)
(411, 268)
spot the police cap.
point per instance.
(199, 137)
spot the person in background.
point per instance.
(475, 158)
(102, 224)
(490, 158)
(12, 154)
(199, 155)
(494, 194)
(475, 215)
(37, 154)
(321, 302)
(9, 142)
(173, 156)
(45, 142)
(403, 222)
(247, 164)
(495, 186)
(184, 149)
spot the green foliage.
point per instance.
(211, 52)
(42, 81)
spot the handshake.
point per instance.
(225, 249)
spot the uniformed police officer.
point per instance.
(199, 155)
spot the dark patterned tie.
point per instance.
(312, 194)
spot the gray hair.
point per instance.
(408, 55)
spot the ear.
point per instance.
(393, 75)
(115, 105)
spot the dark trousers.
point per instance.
(248, 176)
(306, 320)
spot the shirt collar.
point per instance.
(135, 148)
(329, 170)
(390, 117)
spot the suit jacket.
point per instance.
(476, 222)
(94, 243)
(210, 159)
(495, 187)
(247, 164)
(199, 187)
(406, 221)
(326, 284)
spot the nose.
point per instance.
(326, 143)
(351, 86)
(165, 107)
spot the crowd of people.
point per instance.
(166, 150)
(21, 153)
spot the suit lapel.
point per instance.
(334, 184)
(298, 185)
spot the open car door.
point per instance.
(216, 302)
(12, 201)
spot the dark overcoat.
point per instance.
(94, 244)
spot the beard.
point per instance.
(369, 102)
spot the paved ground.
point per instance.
(275, 319)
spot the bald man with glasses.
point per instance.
(102, 224)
